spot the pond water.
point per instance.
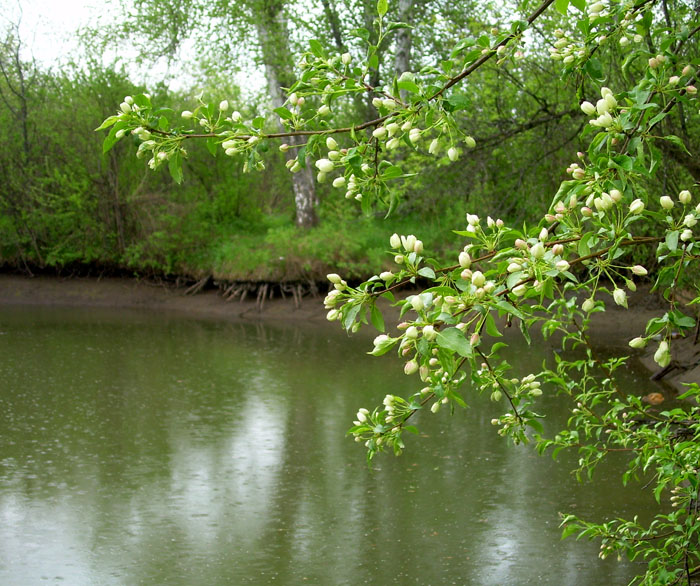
(138, 448)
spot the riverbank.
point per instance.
(612, 329)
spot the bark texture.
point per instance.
(273, 34)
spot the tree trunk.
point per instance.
(274, 41)
(402, 59)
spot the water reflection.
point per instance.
(140, 449)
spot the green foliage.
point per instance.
(554, 274)
(495, 114)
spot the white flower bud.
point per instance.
(395, 241)
(331, 143)
(293, 99)
(616, 195)
(638, 270)
(434, 146)
(537, 251)
(478, 279)
(620, 297)
(389, 104)
(690, 220)
(334, 278)
(684, 197)
(662, 356)
(638, 343)
(393, 143)
(324, 110)
(346, 58)
(236, 116)
(602, 106)
(411, 367)
(588, 108)
(429, 333)
(379, 133)
(465, 260)
(339, 182)
(453, 154)
(562, 266)
(324, 165)
(604, 120)
(637, 207)
(588, 305)
(412, 333)
(686, 235)
(470, 142)
(417, 302)
(520, 290)
(223, 106)
(666, 202)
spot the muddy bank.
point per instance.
(611, 329)
(144, 294)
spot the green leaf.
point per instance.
(107, 123)
(373, 61)
(350, 316)
(175, 168)
(163, 124)
(678, 142)
(376, 318)
(594, 69)
(409, 86)
(568, 531)
(561, 6)
(491, 328)
(361, 33)
(283, 113)
(316, 48)
(672, 240)
(458, 102)
(510, 308)
(427, 272)
(580, 4)
(392, 172)
(453, 339)
(658, 118)
(382, 7)
(397, 25)
(111, 138)
(212, 146)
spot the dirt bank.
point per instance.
(611, 329)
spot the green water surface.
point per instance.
(138, 448)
